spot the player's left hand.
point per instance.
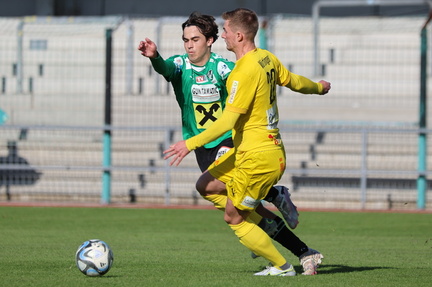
(177, 151)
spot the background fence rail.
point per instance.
(345, 167)
(356, 147)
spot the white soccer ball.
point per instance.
(94, 258)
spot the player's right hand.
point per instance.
(176, 152)
(148, 48)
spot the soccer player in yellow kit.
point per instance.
(257, 161)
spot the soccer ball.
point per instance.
(94, 258)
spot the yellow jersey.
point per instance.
(252, 96)
(252, 93)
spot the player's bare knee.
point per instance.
(207, 185)
(228, 219)
(232, 220)
(201, 187)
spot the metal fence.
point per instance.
(327, 167)
(354, 148)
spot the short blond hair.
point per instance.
(244, 20)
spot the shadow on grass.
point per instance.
(330, 269)
(101, 277)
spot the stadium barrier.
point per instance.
(353, 148)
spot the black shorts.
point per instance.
(206, 156)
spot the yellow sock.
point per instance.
(218, 200)
(258, 242)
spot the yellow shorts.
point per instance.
(249, 175)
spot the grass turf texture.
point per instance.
(175, 247)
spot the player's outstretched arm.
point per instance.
(148, 48)
(304, 85)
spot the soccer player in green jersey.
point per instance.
(257, 161)
(198, 78)
(199, 81)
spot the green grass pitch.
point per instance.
(191, 247)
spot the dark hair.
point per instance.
(205, 23)
(243, 19)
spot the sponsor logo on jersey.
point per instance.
(272, 118)
(201, 79)
(223, 150)
(207, 114)
(178, 62)
(264, 62)
(233, 92)
(223, 70)
(205, 93)
(210, 76)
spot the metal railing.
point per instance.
(170, 183)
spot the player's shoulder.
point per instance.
(255, 60)
(216, 58)
(270, 55)
(263, 53)
(222, 65)
(178, 60)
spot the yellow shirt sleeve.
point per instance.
(303, 85)
(225, 123)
